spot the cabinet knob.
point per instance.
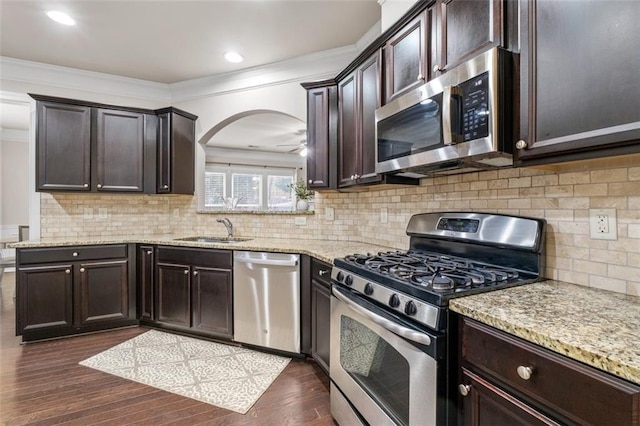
(86, 185)
(420, 77)
(81, 269)
(521, 144)
(67, 271)
(464, 389)
(186, 272)
(195, 273)
(322, 272)
(436, 68)
(99, 185)
(165, 186)
(310, 181)
(149, 252)
(524, 372)
(74, 254)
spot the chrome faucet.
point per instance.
(227, 224)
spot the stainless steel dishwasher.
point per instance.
(266, 300)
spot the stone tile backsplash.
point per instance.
(562, 198)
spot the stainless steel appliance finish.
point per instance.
(459, 121)
(391, 358)
(266, 300)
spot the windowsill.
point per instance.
(256, 212)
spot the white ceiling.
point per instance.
(172, 41)
(176, 40)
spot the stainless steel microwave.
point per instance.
(460, 121)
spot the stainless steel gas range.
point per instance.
(391, 355)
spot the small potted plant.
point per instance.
(303, 194)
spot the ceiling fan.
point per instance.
(299, 147)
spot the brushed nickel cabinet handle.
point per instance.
(149, 252)
(521, 144)
(86, 185)
(81, 269)
(310, 181)
(195, 273)
(464, 389)
(67, 271)
(165, 186)
(74, 254)
(99, 185)
(525, 373)
(186, 272)
(322, 272)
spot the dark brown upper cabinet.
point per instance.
(63, 159)
(359, 96)
(466, 28)
(580, 92)
(176, 152)
(90, 147)
(322, 134)
(119, 150)
(406, 58)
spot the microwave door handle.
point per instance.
(401, 331)
(447, 131)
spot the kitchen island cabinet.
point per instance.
(579, 84)
(73, 290)
(194, 291)
(504, 379)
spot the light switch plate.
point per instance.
(329, 213)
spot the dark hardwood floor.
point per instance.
(42, 384)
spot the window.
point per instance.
(258, 188)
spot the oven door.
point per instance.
(387, 371)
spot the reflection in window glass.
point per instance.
(214, 189)
(279, 194)
(246, 187)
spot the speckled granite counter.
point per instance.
(596, 327)
(321, 249)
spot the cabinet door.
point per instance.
(467, 28)
(104, 292)
(173, 294)
(349, 151)
(45, 295)
(176, 152)
(369, 100)
(212, 301)
(406, 58)
(63, 140)
(321, 135)
(119, 151)
(484, 404)
(579, 80)
(320, 330)
(146, 261)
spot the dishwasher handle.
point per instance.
(267, 262)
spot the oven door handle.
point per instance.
(401, 331)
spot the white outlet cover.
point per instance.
(612, 224)
(329, 213)
(88, 213)
(103, 213)
(300, 221)
(384, 215)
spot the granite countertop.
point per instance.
(324, 250)
(597, 327)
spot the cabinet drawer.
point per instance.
(576, 392)
(320, 271)
(198, 257)
(70, 254)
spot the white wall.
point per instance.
(14, 181)
(392, 10)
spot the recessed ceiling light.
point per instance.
(61, 17)
(234, 57)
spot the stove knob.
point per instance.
(349, 280)
(340, 276)
(368, 289)
(410, 308)
(394, 301)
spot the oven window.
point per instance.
(377, 367)
(415, 129)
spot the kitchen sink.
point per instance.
(213, 239)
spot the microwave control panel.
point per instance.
(475, 107)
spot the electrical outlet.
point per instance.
(300, 221)
(329, 213)
(384, 215)
(88, 213)
(603, 224)
(103, 213)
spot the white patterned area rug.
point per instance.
(222, 375)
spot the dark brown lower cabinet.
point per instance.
(194, 291)
(69, 290)
(504, 380)
(320, 312)
(146, 278)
